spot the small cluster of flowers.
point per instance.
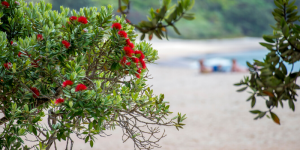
(66, 44)
(80, 19)
(35, 91)
(6, 4)
(138, 57)
(7, 65)
(79, 87)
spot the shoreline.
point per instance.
(181, 47)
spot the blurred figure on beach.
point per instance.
(205, 69)
(236, 68)
(218, 66)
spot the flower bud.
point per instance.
(14, 44)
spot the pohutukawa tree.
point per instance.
(75, 73)
(270, 78)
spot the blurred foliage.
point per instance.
(270, 78)
(214, 18)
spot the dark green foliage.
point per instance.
(214, 18)
(269, 78)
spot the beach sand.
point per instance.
(218, 117)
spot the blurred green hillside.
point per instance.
(214, 18)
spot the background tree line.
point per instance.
(214, 18)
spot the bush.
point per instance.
(78, 72)
(270, 78)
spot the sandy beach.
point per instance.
(218, 117)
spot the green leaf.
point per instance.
(249, 65)
(253, 101)
(188, 17)
(242, 89)
(285, 30)
(123, 8)
(71, 104)
(255, 111)
(268, 39)
(21, 131)
(291, 104)
(36, 119)
(26, 107)
(283, 68)
(114, 66)
(176, 30)
(91, 143)
(269, 46)
(87, 139)
(34, 130)
(278, 4)
(143, 36)
(14, 67)
(166, 2)
(275, 118)
(90, 125)
(260, 115)
(238, 84)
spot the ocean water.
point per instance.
(224, 59)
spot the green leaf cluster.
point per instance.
(270, 78)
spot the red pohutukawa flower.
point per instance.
(80, 87)
(123, 60)
(67, 82)
(116, 26)
(5, 3)
(140, 53)
(35, 63)
(122, 34)
(128, 51)
(66, 44)
(82, 20)
(35, 91)
(7, 65)
(11, 42)
(134, 59)
(127, 41)
(137, 75)
(128, 63)
(143, 64)
(139, 70)
(20, 54)
(131, 45)
(73, 18)
(39, 37)
(59, 100)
